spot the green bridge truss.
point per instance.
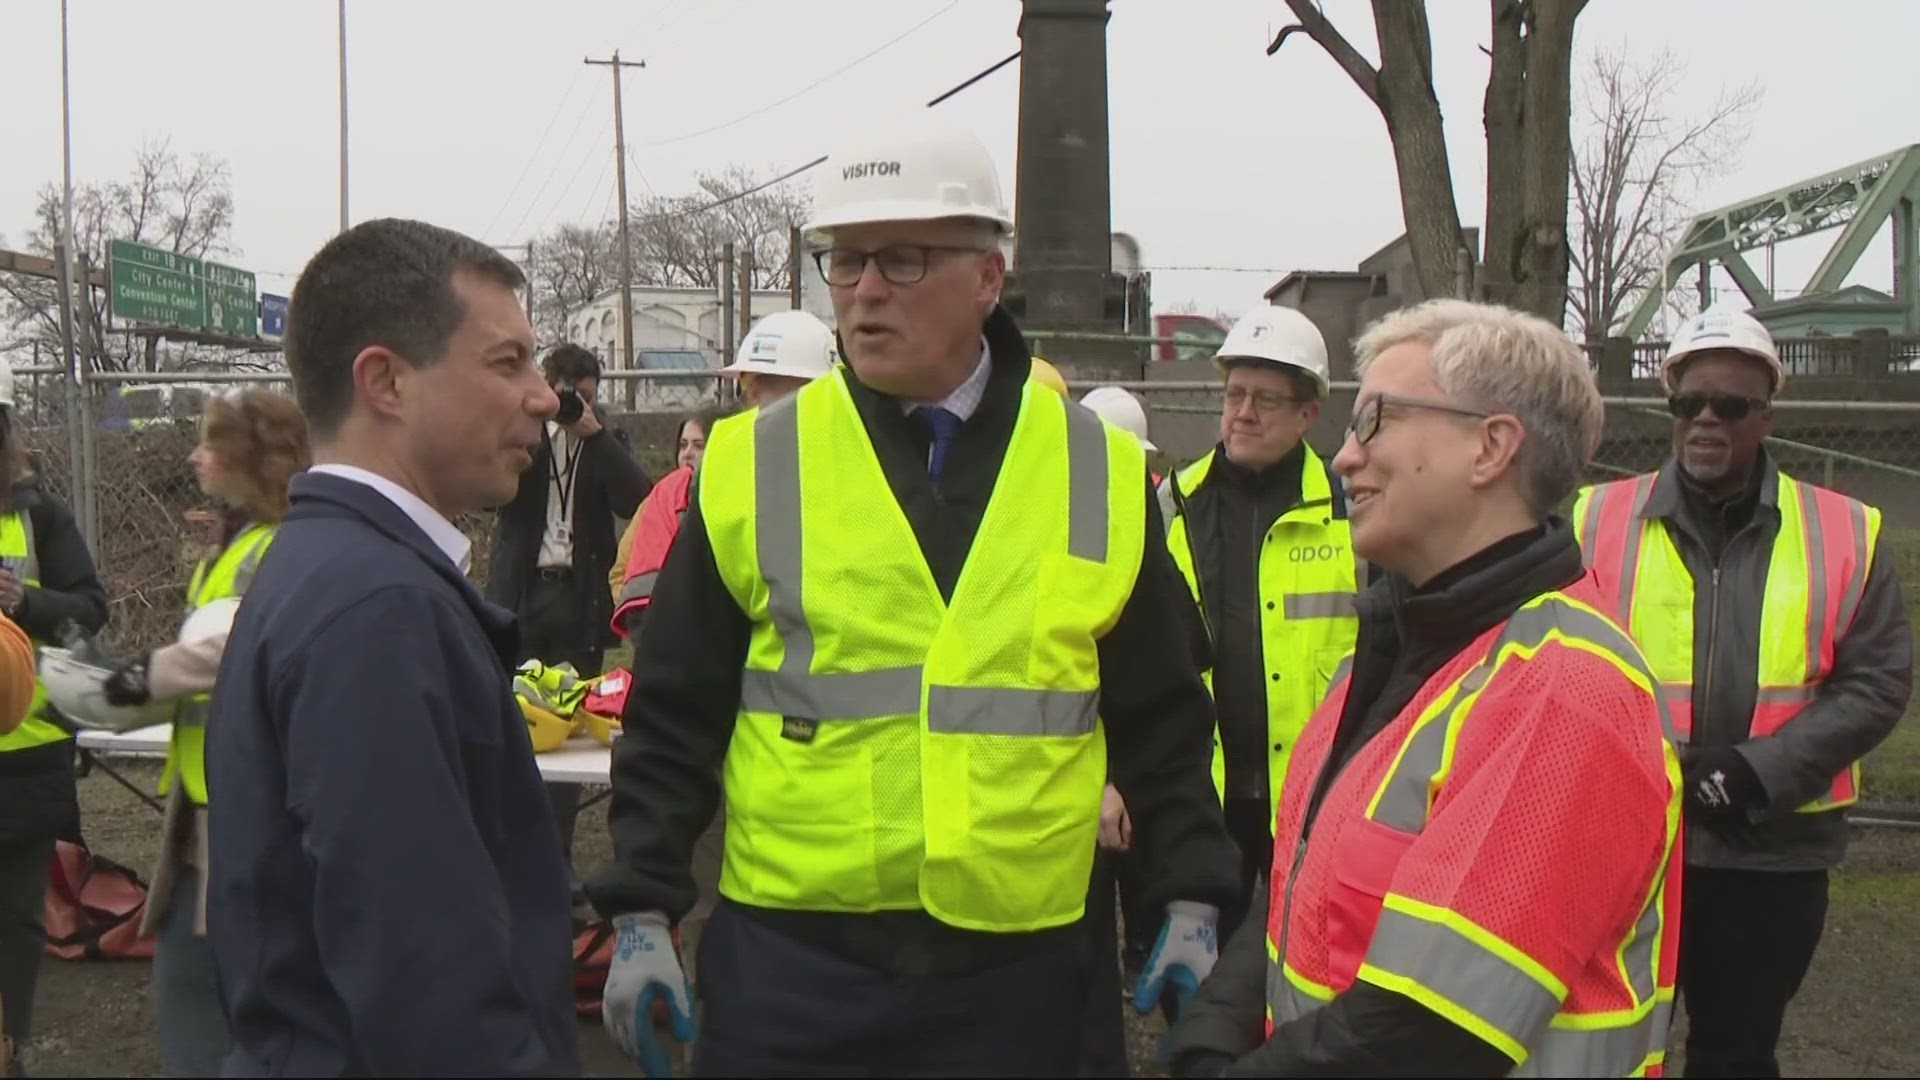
(1857, 200)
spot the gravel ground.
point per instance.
(1853, 1018)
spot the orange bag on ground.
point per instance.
(93, 907)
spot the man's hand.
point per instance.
(586, 427)
(646, 969)
(1721, 787)
(127, 686)
(11, 591)
(1183, 958)
(1116, 830)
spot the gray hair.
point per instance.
(1505, 361)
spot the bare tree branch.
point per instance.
(1635, 171)
(1364, 75)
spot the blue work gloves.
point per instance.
(646, 969)
(1182, 958)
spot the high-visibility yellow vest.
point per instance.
(1815, 578)
(16, 547)
(225, 575)
(894, 750)
(1309, 576)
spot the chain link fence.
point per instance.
(138, 490)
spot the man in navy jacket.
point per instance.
(387, 893)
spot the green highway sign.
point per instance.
(151, 285)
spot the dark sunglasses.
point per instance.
(1725, 406)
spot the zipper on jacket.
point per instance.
(1713, 633)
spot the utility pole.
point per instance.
(620, 167)
(343, 115)
(78, 470)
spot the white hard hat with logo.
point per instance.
(791, 343)
(1277, 335)
(1121, 409)
(918, 168)
(76, 688)
(1722, 328)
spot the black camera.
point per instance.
(572, 406)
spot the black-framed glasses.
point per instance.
(1263, 401)
(1729, 407)
(900, 264)
(1369, 414)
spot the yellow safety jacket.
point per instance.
(1308, 578)
(1816, 575)
(225, 575)
(16, 547)
(894, 750)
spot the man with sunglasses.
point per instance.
(916, 611)
(1259, 530)
(1783, 643)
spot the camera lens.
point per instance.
(571, 407)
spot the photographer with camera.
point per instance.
(553, 544)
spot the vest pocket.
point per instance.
(1364, 862)
(800, 816)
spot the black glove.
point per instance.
(127, 686)
(1721, 786)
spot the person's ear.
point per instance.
(381, 379)
(1500, 440)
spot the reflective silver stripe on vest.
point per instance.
(30, 565)
(243, 575)
(852, 695)
(1169, 510)
(1620, 1051)
(1324, 605)
(778, 535)
(639, 587)
(1011, 711)
(796, 691)
(1816, 543)
(1442, 960)
(1086, 485)
(1857, 582)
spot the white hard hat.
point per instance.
(1278, 335)
(1722, 328)
(1121, 409)
(792, 343)
(210, 619)
(919, 168)
(75, 688)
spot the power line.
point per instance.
(557, 160)
(791, 173)
(533, 153)
(742, 118)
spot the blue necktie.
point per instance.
(944, 426)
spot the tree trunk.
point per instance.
(1500, 233)
(1412, 113)
(1542, 285)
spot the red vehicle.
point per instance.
(1204, 333)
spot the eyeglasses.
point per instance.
(1263, 401)
(1725, 406)
(900, 264)
(1369, 414)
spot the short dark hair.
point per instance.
(569, 361)
(386, 282)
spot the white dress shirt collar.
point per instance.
(445, 536)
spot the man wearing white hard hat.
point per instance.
(1259, 529)
(781, 353)
(1764, 609)
(916, 611)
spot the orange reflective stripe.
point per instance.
(1611, 528)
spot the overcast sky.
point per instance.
(480, 115)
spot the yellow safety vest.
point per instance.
(225, 575)
(16, 546)
(894, 750)
(1308, 578)
(1816, 575)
